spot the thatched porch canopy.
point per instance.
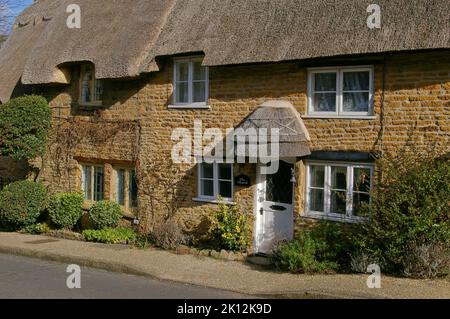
(281, 115)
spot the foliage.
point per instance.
(24, 126)
(427, 261)
(168, 235)
(304, 254)
(21, 203)
(110, 235)
(37, 229)
(65, 209)
(105, 214)
(230, 228)
(410, 211)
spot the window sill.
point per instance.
(340, 117)
(189, 106)
(334, 218)
(213, 201)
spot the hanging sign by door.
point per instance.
(242, 180)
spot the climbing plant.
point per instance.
(24, 127)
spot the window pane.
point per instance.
(225, 171)
(182, 93)
(121, 187)
(199, 72)
(87, 189)
(98, 90)
(133, 189)
(317, 176)
(207, 170)
(86, 94)
(199, 92)
(356, 102)
(182, 71)
(207, 187)
(358, 199)
(361, 181)
(338, 202)
(98, 183)
(356, 81)
(225, 189)
(316, 202)
(324, 102)
(324, 82)
(339, 177)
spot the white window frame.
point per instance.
(349, 215)
(127, 198)
(339, 113)
(190, 103)
(92, 167)
(216, 181)
(83, 69)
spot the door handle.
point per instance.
(261, 211)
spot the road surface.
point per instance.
(28, 278)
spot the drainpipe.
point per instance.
(382, 124)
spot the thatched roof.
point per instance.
(293, 135)
(123, 37)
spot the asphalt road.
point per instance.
(28, 278)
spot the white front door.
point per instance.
(274, 208)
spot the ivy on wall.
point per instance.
(24, 126)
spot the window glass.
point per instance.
(338, 189)
(207, 187)
(86, 93)
(199, 72)
(316, 191)
(207, 170)
(182, 71)
(87, 182)
(324, 99)
(356, 81)
(133, 189)
(325, 82)
(98, 183)
(121, 187)
(182, 93)
(225, 171)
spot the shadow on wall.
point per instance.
(12, 170)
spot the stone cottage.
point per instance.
(342, 91)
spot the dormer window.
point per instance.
(190, 83)
(91, 89)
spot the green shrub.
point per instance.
(105, 214)
(37, 229)
(24, 125)
(110, 235)
(65, 209)
(410, 211)
(230, 228)
(304, 254)
(21, 203)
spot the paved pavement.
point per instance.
(209, 272)
(27, 278)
